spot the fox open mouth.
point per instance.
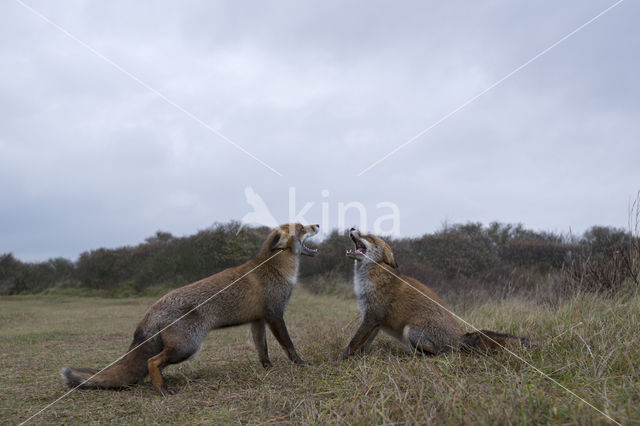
(308, 251)
(360, 249)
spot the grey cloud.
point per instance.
(318, 90)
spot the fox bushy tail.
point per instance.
(490, 341)
(127, 371)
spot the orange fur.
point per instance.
(258, 294)
(406, 308)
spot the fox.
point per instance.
(256, 292)
(387, 301)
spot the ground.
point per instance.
(588, 344)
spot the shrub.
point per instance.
(498, 259)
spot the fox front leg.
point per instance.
(367, 330)
(258, 331)
(279, 330)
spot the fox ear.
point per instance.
(388, 258)
(277, 242)
(274, 241)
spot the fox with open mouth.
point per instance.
(173, 328)
(389, 301)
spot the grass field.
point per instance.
(590, 345)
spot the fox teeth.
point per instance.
(309, 248)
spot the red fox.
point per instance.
(259, 295)
(386, 301)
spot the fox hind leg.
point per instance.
(155, 365)
(416, 340)
(177, 348)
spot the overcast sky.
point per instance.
(91, 157)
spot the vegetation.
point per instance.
(498, 259)
(589, 344)
(578, 296)
(161, 261)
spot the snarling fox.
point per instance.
(256, 292)
(406, 308)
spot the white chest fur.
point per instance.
(293, 278)
(361, 286)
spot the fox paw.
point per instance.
(170, 391)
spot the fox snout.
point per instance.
(309, 231)
(359, 252)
